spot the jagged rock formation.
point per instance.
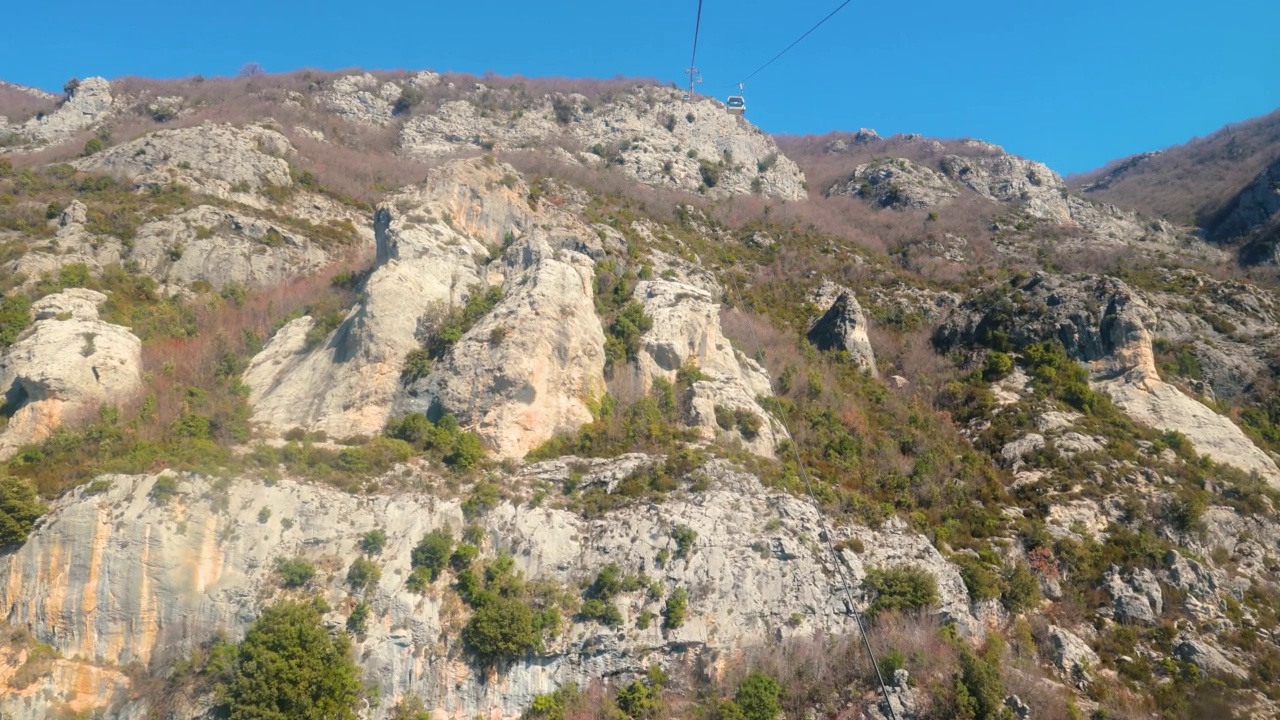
(432, 250)
(842, 326)
(86, 106)
(67, 364)
(118, 577)
(1106, 325)
(896, 183)
(686, 331)
(649, 132)
(529, 368)
(1008, 178)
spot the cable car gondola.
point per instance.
(736, 104)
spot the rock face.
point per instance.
(361, 98)
(431, 256)
(523, 373)
(648, 132)
(216, 159)
(117, 577)
(88, 105)
(1255, 210)
(1208, 658)
(686, 331)
(67, 364)
(1008, 178)
(1106, 325)
(897, 183)
(842, 326)
(528, 369)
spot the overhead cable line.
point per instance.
(797, 42)
(813, 500)
(693, 61)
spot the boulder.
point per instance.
(1202, 654)
(1136, 595)
(65, 366)
(1072, 655)
(362, 99)
(842, 325)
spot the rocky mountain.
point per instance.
(408, 395)
(1224, 183)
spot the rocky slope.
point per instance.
(544, 315)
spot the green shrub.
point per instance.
(685, 537)
(463, 557)
(15, 316)
(94, 145)
(1021, 589)
(372, 542)
(501, 628)
(673, 612)
(748, 423)
(482, 499)
(724, 417)
(901, 588)
(467, 453)
(553, 706)
(601, 611)
(19, 509)
(363, 574)
(710, 173)
(759, 697)
(164, 489)
(639, 700)
(294, 572)
(980, 579)
(432, 553)
(290, 666)
(417, 365)
(358, 620)
(998, 366)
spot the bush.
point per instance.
(165, 489)
(901, 588)
(290, 666)
(19, 510)
(1021, 589)
(294, 572)
(467, 452)
(724, 417)
(553, 706)
(673, 612)
(363, 574)
(710, 173)
(432, 553)
(501, 628)
(758, 697)
(358, 620)
(15, 316)
(372, 542)
(601, 611)
(748, 423)
(417, 365)
(685, 537)
(463, 557)
(94, 145)
(483, 499)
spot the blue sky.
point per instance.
(1071, 83)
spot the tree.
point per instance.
(15, 316)
(758, 696)
(19, 510)
(290, 667)
(901, 588)
(433, 551)
(251, 69)
(501, 628)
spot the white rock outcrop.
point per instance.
(897, 183)
(217, 159)
(649, 133)
(841, 325)
(65, 366)
(686, 332)
(89, 104)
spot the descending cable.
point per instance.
(822, 518)
(797, 41)
(693, 61)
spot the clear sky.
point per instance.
(1073, 83)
